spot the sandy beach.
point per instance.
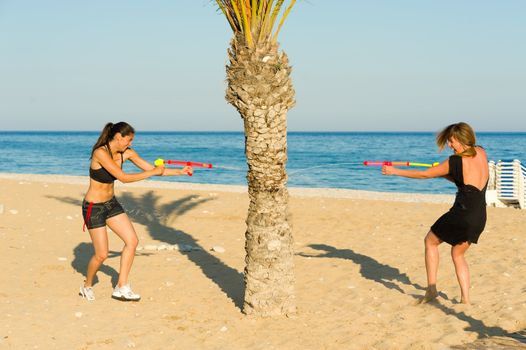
(359, 272)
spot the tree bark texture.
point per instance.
(260, 87)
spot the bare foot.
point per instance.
(465, 301)
(460, 306)
(431, 294)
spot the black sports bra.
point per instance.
(102, 175)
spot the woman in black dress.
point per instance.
(465, 221)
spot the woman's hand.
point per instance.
(187, 170)
(159, 170)
(388, 170)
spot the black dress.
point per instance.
(465, 221)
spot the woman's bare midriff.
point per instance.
(99, 192)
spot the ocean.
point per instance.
(316, 159)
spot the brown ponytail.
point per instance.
(463, 133)
(108, 133)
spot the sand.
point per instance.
(359, 272)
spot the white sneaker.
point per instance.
(125, 293)
(87, 293)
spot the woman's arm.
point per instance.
(109, 164)
(145, 165)
(441, 170)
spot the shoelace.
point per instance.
(87, 292)
(125, 291)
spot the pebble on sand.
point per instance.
(218, 249)
(185, 248)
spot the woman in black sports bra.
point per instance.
(465, 221)
(101, 208)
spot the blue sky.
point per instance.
(357, 65)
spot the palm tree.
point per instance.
(260, 88)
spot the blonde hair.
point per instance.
(463, 133)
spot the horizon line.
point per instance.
(289, 131)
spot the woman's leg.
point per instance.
(99, 237)
(122, 226)
(431, 243)
(461, 269)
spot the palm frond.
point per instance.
(285, 14)
(255, 19)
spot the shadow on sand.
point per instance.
(83, 253)
(489, 337)
(147, 210)
(369, 268)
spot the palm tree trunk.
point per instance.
(260, 87)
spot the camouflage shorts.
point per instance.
(96, 214)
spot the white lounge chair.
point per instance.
(509, 183)
(491, 190)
